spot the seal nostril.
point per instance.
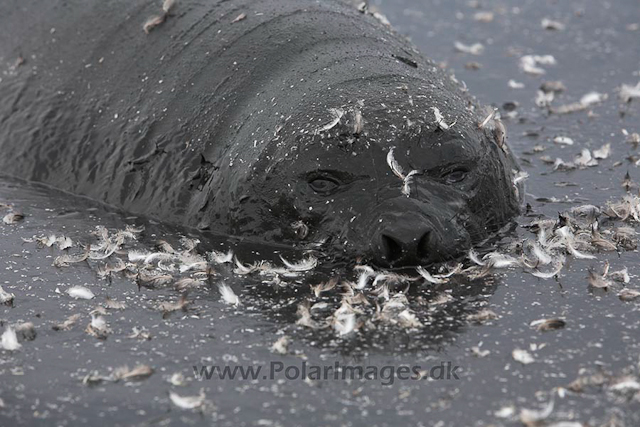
(424, 246)
(391, 248)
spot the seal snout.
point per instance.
(403, 242)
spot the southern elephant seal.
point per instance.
(283, 119)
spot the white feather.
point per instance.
(498, 260)
(304, 265)
(6, 297)
(220, 257)
(243, 269)
(137, 256)
(80, 292)
(345, 323)
(10, 339)
(187, 402)
(440, 119)
(394, 165)
(187, 267)
(520, 176)
(98, 323)
(337, 114)
(407, 181)
(228, 295)
(475, 258)
(540, 254)
(364, 276)
(489, 118)
(429, 278)
(549, 274)
(578, 254)
(158, 256)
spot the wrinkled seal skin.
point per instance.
(246, 127)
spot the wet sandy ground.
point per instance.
(67, 377)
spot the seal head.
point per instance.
(398, 173)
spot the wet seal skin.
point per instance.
(294, 121)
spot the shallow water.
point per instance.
(42, 382)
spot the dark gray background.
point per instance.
(41, 383)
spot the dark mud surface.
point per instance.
(66, 376)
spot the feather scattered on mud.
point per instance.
(113, 304)
(66, 259)
(138, 373)
(478, 352)
(167, 5)
(188, 402)
(557, 268)
(522, 356)
(482, 316)
(620, 275)
(588, 100)
(544, 99)
(550, 24)
(304, 265)
(548, 324)
(429, 278)
(67, 324)
(9, 340)
(243, 269)
(530, 64)
(152, 279)
(6, 298)
(281, 346)
(239, 18)
(629, 295)
(555, 86)
(13, 218)
(26, 331)
(170, 306)
(473, 49)
(220, 257)
(227, 294)
(344, 320)
(596, 280)
(324, 286)
(114, 265)
(563, 140)
(365, 273)
(188, 283)
(533, 417)
(152, 22)
(80, 292)
(474, 257)
(139, 334)
(98, 327)
(603, 152)
(304, 316)
(483, 16)
(629, 92)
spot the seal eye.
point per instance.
(455, 176)
(323, 185)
